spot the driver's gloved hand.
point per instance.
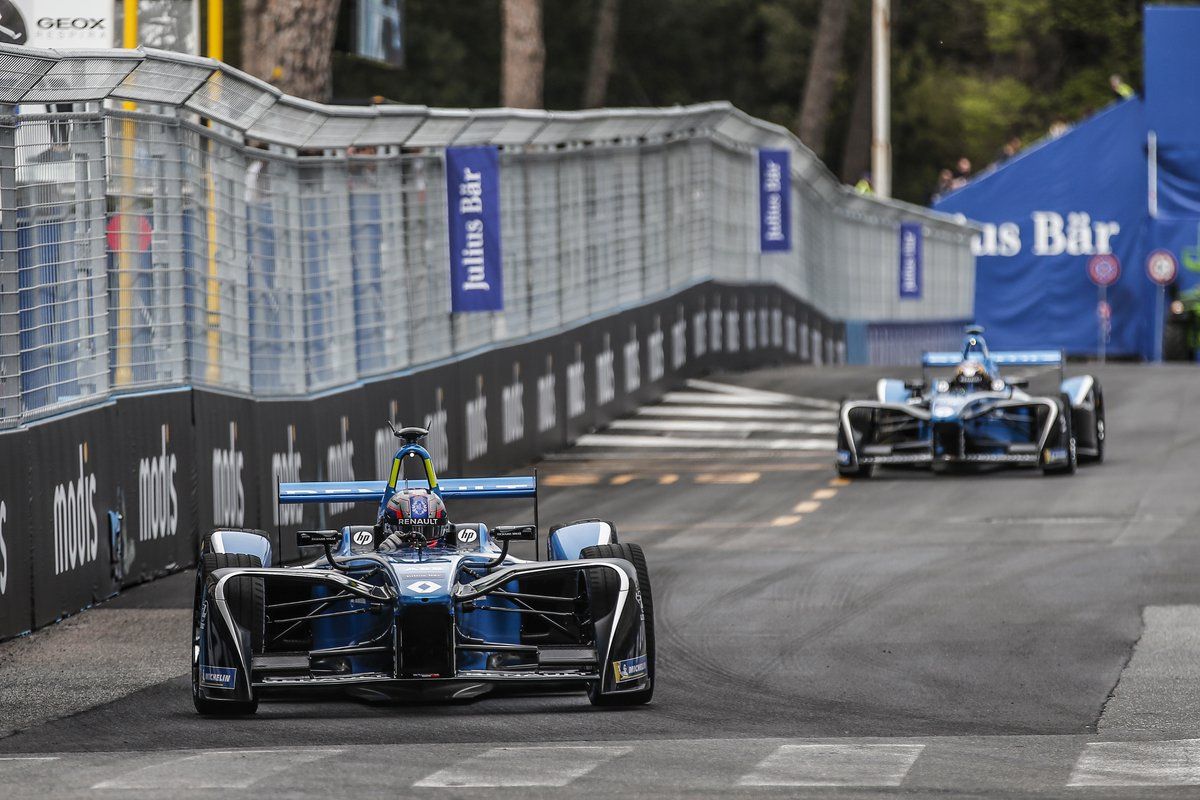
(392, 542)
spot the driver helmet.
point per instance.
(416, 514)
(972, 372)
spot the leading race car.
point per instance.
(415, 605)
(975, 416)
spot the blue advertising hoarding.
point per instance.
(1044, 215)
(911, 260)
(473, 208)
(774, 201)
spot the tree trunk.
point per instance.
(856, 158)
(524, 54)
(823, 73)
(289, 43)
(603, 47)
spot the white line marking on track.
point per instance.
(708, 412)
(1170, 763)
(215, 769)
(761, 394)
(706, 399)
(718, 426)
(523, 766)
(681, 443)
(834, 765)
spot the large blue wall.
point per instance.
(1046, 214)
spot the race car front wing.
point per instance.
(901, 434)
(405, 644)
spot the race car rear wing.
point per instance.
(1024, 358)
(373, 491)
(521, 486)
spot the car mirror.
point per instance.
(1019, 383)
(914, 385)
(514, 533)
(318, 538)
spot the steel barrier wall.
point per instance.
(170, 221)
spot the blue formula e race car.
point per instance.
(974, 416)
(417, 606)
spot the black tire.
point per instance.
(1101, 428)
(247, 604)
(845, 470)
(1068, 435)
(602, 585)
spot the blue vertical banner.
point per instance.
(473, 206)
(775, 201)
(911, 260)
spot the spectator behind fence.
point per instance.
(1010, 149)
(1120, 86)
(962, 173)
(945, 182)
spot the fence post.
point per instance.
(10, 306)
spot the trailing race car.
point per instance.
(416, 605)
(974, 416)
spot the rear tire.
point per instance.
(601, 585)
(247, 605)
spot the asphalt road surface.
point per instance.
(993, 635)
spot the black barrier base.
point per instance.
(110, 496)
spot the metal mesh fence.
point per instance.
(169, 221)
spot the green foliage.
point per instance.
(967, 75)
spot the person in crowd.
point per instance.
(1118, 84)
(864, 185)
(1010, 149)
(945, 182)
(962, 173)
(1058, 127)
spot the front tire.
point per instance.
(1100, 431)
(601, 584)
(248, 607)
(846, 470)
(1066, 436)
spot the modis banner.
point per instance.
(473, 206)
(774, 201)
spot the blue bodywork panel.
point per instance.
(566, 542)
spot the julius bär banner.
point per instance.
(774, 201)
(473, 207)
(911, 258)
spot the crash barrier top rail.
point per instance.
(168, 220)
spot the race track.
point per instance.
(933, 635)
